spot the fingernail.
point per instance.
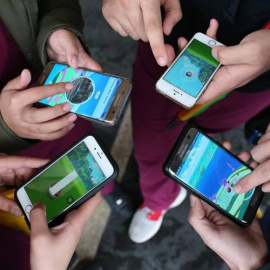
(266, 188)
(170, 27)
(72, 118)
(69, 86)
(237, 189)
(161, 61)
(74, 61)
(40, 205)
(71, 126)
(192, 201)
(67, 107)
(17, 212)
(214, 53)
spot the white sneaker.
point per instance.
(146, 222)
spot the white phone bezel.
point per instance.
(176, 94)
(97, 153)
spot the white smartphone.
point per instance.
(188, 76)
(69, 180)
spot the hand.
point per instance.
(182, 42)
(16, 103)
(14, 170)
(261, 175)
(53, 248)
(64, 47)
(241, 64)
(241, 248)
(141, 19)
(234, 244)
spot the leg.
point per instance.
(151, 112)
(233, 111)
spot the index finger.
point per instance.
(257, 177)
(16, 162)
(153, 28)
(35, 94)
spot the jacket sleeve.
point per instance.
(58, 14)
(10, 143)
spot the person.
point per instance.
(244, 73)
(234, 244)
(48, 31)
(46, 37)
(45, 243)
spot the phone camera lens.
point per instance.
(95, 148)
(113, 112)
(188, 137)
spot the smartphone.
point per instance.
(68, 181)
(208, 170)
(188, 76)
(95, 96)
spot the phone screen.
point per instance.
(65, 181)
(193, 68)
(213, 172)
(92, 93)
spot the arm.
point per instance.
(52, 248)
(58, 14)
(60, 34)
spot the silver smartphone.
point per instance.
(96, 96)
(188, 76)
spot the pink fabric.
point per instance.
(151, 112)
(12, 61)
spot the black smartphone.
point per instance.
(96, 96)
(203, 166)
(69, 180)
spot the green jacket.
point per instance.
(30, 22)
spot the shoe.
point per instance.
(146, 222)
(120, 202)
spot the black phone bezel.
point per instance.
(61, 216)
(166, 169)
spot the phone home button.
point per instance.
(212, 43)
(28, 208)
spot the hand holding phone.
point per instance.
(64, 46)
(53, 248)
(210, 172)
(240, 248)
(69, 180)
(16, 103)
(95, 96)
(188, 76)
(14, 170)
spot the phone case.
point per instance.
(166, 170)
(59, 219)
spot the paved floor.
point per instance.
(176, 246)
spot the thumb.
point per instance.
(173, 15)
(38, 220)
(10, 206)
(197, 212)
(19, 83)
(72, 51)
(232, 55)
(198, 220)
